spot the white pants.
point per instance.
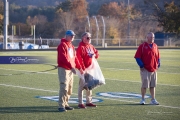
(80, 93)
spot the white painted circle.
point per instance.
(71, 100)
(121, 95)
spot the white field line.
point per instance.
(27, 72)
(115, 69)
(36, 89)
(139, 82)
(56, 73)
(28, 88)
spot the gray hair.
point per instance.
(85, 34)
(150, 33)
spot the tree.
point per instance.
(79, 9)
(168, 16)
(66, 19)
(111, 10)
(40, 22)
(119, 11)
(65, 6)
(1, 16)
(112, 25)
(69, 12)
(22, 29)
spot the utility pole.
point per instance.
(6, 22)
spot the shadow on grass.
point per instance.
(54, 67)
(28, 109)
(35, 109)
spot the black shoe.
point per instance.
(62, 109)
(69, 108)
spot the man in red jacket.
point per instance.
(66, 68)
(85, 52)
(148, 58)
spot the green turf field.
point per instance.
(21, 85)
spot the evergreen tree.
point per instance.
(168, 16)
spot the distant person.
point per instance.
(40, 43)
(148, 58)
(66, 57)
(21, 45)
(85, 52)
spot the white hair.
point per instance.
(150, 33)
(85, 34)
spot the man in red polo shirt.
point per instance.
(66, 57)
(85, 53)
(148, 58)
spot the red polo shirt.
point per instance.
(66, 55)
(84, 55)
(148, 55)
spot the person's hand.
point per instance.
(85, 71)
(81, 71)
(142, 69)
(73, 70)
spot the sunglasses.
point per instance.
(88, 38)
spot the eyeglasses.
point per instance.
(88, 38)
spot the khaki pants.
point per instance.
(66, 85)
(80, 93)
(149, 79)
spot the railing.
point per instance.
(100, 42)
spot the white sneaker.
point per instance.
(142, 102)
(154, 102)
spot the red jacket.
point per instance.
(66, 54)
(84, 55)
(148, 55)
